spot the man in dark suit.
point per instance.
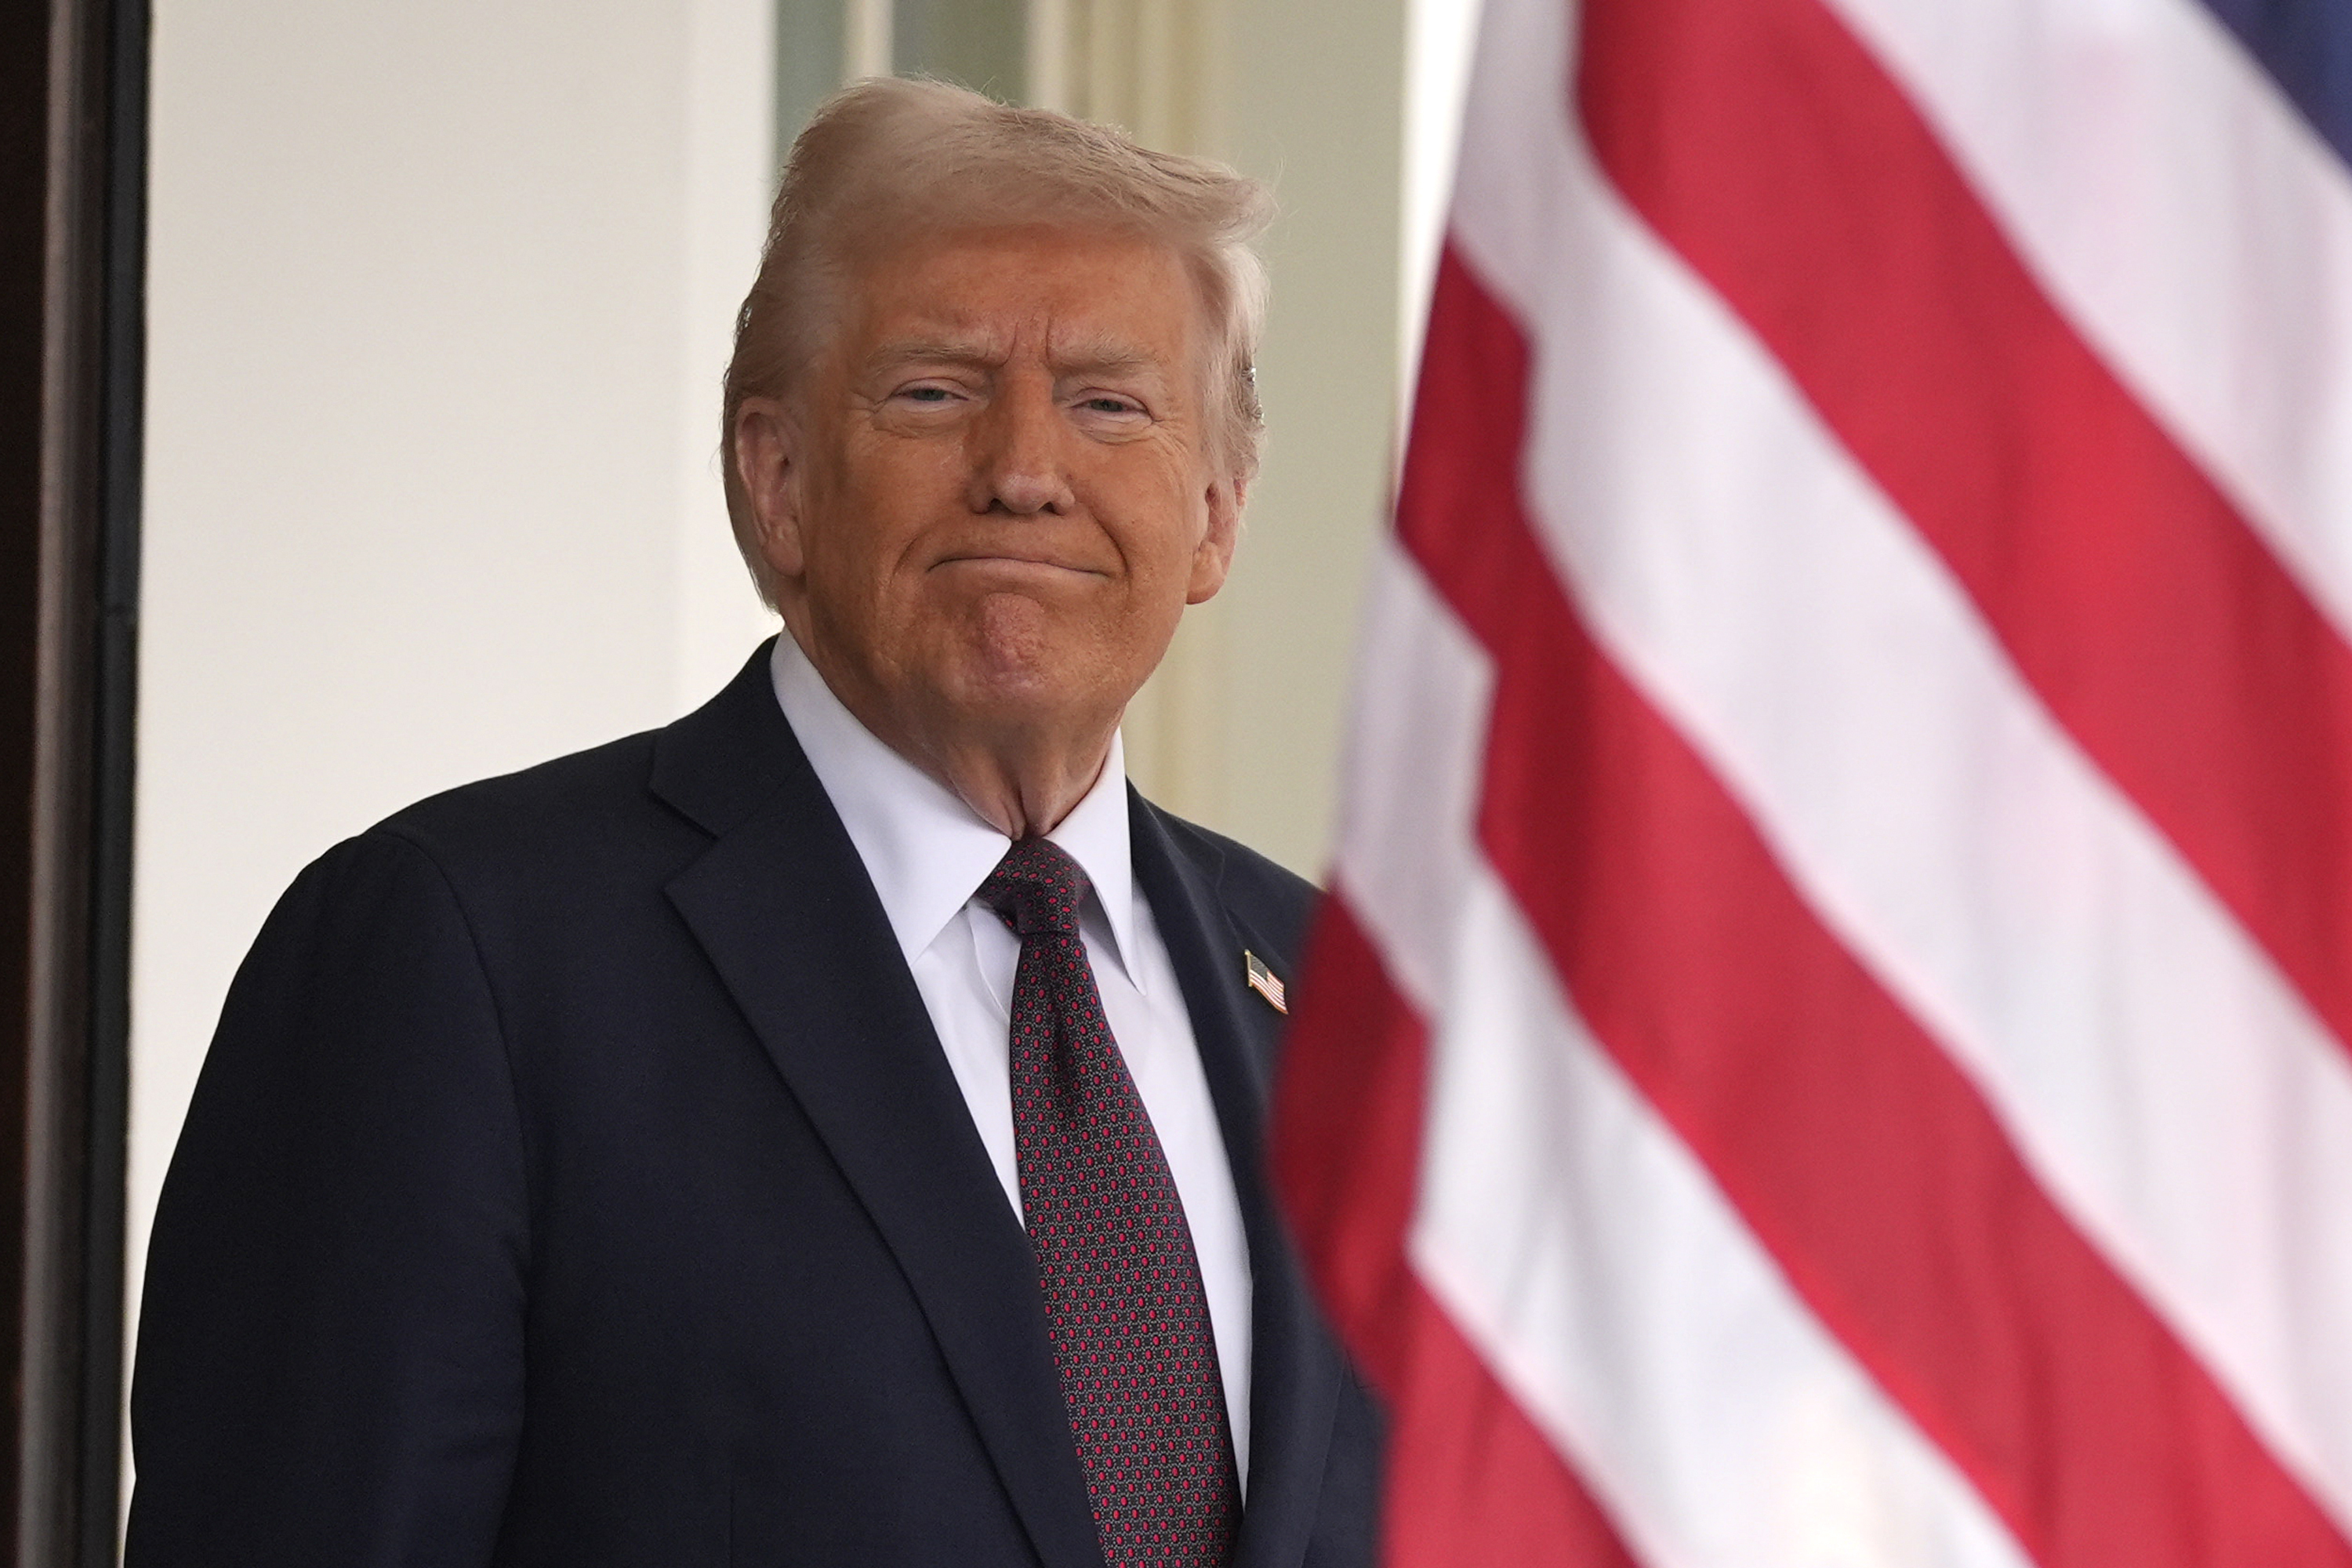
(824, 1131)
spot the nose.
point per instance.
(1018, 457)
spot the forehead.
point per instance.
(1065, 292)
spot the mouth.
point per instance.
(1018, 565)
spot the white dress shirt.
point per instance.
(927, 854)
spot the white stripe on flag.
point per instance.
(1416, 746)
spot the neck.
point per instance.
(1023, 792)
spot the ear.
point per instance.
(1212, 557)
(767, 462)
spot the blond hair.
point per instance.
(888, 160)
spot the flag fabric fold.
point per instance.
(1831, 1038)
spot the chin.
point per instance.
(1012, 650)
(1032, 693)
(1011, 662)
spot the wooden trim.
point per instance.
(69, 482)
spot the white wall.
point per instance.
(439, 295)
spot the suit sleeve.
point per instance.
(329, 1363)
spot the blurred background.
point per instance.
(439, 297)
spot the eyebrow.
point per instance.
(1105, 353)
(952, 351)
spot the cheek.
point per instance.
(868, 511)
(1164, 525)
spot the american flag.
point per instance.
(1831, 1040)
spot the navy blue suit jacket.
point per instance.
(576, 1179)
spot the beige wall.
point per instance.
(1316, 105)
(440, 293)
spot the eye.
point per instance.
(926, 394)
(1107, 402)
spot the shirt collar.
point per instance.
(925, 850)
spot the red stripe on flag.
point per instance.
(1766, 146)
(1842, 1133)
(1471, 1481)
(1347, 1121)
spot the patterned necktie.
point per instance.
(1123, 1300)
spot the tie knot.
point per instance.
(1036, 887)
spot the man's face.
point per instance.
(996, 494)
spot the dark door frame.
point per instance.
(73, 108)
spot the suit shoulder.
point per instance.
(1273, 901)
(578, 810)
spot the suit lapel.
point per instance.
(1293, 1371)
(783, 906)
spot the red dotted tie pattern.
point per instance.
(1123, 1300)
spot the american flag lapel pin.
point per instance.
(1265, 982)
